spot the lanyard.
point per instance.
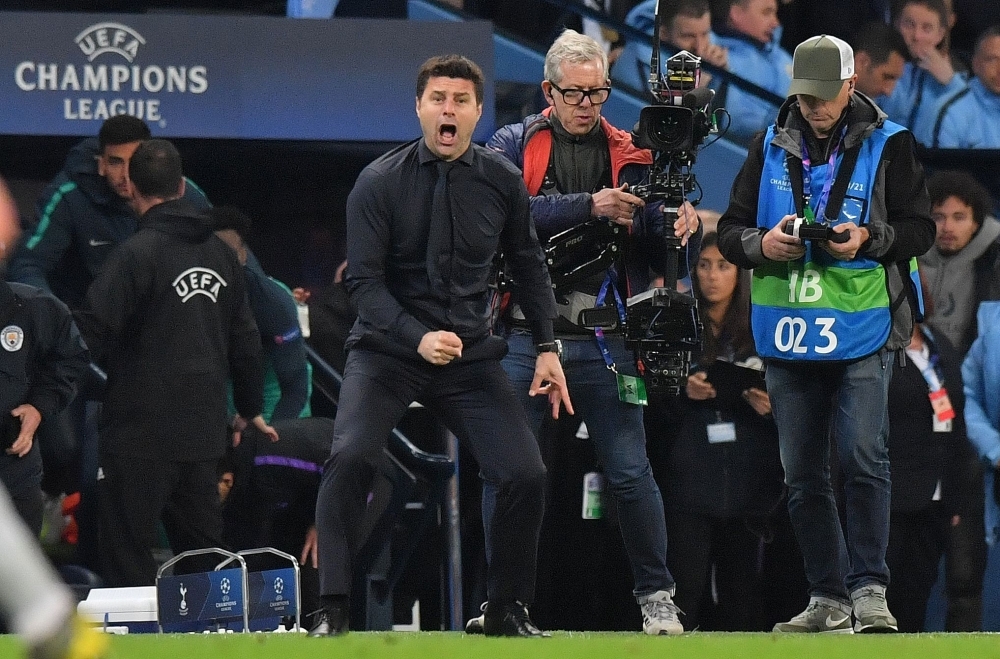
(824, 196)
(926, 363)
(598, 332)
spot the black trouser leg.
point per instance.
(965, 562)
(916, 543)
(478, 403)
(373, 398)
(689, 555)
(131, 496)
(192, 516)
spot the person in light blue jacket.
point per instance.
(749, 31)
(971, 118)
(931, 76)
(684, 25)
(981, 375)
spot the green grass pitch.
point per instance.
(563, 645)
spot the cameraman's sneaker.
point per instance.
(822, 616)
(871, 614)
(659, 614)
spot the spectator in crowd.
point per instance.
(879, 57)
(724, 479)
(34, 601)
(831, 317)
(578, 167)
(963, 271)
(931, 75)
(167, 318)
(963, 267)
(981, 376)
(598, 30)
(684, 25)
(423, 224)
(747, 30)
(287, 374)
(931, 482)
(970, 119)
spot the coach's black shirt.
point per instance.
(388, 221)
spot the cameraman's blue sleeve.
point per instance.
(550, 213)
(553, 214)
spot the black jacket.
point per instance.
(920, 457)
(168, 319)
(728, 479)
(42, 353)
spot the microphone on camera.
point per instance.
(698, 98)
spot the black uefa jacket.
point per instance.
(168, 319)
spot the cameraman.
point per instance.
(831, 316)
(578, 167)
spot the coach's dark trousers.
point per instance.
(476, 401)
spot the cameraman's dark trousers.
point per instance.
(476, 401)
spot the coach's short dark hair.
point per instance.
(451, 66)
(155, 169)
(122, 129)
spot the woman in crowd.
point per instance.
(724, 480)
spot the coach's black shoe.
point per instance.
(330, 621)
(510, 620)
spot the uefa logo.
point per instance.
(112, 79)
(103, 38)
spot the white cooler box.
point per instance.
(121, 610)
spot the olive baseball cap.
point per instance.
(820, 67)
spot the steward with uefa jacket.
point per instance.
(168, 318)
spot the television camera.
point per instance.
(662, 325)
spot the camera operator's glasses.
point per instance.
(597, 96)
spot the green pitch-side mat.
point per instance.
(563, 645)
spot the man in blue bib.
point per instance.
(827, 210)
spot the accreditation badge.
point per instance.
(631, 390)
(943, 411)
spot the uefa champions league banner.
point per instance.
(239, 77)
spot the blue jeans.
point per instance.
(813, 403)
(619, 439)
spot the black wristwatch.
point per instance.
(550, 346)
